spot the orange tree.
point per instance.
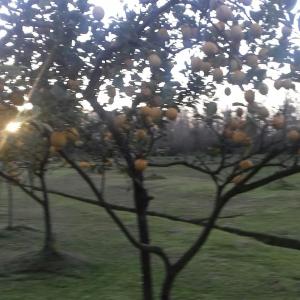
(63, 47)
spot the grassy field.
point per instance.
(228, 267)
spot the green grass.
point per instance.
(228, 267)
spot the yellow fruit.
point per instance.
(58, 139)
(73, 84)
(238, 77)
(287, 84)
(154, 60)
(278, 121)
(263, 89)
(155, 113)
(252, 60)
(263, 53)
(220, 26)
(210, 48)
(278, 84)
(217, 74)
(249, 96)
(205, 67)
(85, 165)
(293, 135)
(227, 91)
(163, 33)
(240, 137)
(98, 13)
(145, 111)
(72, 134)
(196, 63)
(186, 31)
(238, 179)
(235, 65)
(140, 164)
(224, 13)
(246, 164)
(236, 33)
(141, 134)
(255, 30)
(172, 113)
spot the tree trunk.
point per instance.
(49, 238)
(10, 207)
(167, 286)
(141, 203)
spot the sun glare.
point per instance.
(13, 126)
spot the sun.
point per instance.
(13, 126)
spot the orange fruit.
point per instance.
(217, 74)
(85, 164)
(140, 164)
(255, 30)
(196, 63)
(154, 60)
(249, 96)
(236, 33)
(58, 139)
(227, 91)
(246, 164)
(224, 13)
(210, 48)
(293, 135)
(140, 134)
(172, 113)
(237, 179)
(263, 89)
(98, 13)
(155, 113)
(240, 137)
(145, 111)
